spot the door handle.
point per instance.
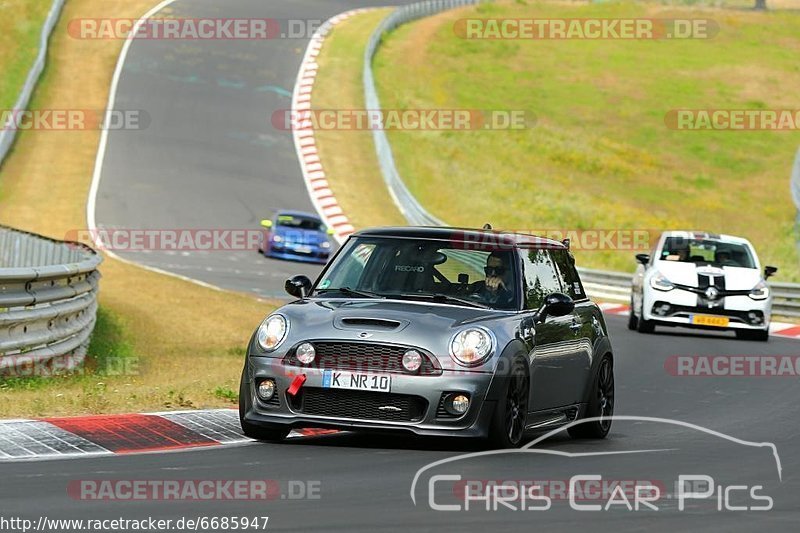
(576, 326)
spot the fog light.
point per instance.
(306, 353)
(412, 360)
(459, 404)
(266, 389)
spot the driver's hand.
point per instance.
(493, 283)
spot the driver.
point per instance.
(723, 257)
(493, 289)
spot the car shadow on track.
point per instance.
(364, 440)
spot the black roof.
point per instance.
(467, 235)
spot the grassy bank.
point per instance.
(20, 26)
(600, 155)
(178, 345)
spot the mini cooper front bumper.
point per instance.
(415, 403)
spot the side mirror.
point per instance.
(643, 258)
(266, 223)
(556, 304)
(330, 231)
(298, 286)
(769, 271)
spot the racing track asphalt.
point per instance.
(365, 480)
(210, 158)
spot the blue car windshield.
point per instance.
(302, 223)
(427, 270)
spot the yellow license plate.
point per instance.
(707, 320)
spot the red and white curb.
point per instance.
(102, 435)
(304, 140)
(778, 329)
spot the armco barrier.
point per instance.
(48, 298)
(613, 286)
(7, 134)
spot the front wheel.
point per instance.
(508, 423)
(633, 321)
(600, 404)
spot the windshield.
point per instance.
(295, 222)
(707, 252)
(440, 271)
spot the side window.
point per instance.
(570, 281)
(541, 277)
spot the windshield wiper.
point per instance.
(351, 292)
(444, 298)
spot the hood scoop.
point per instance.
(374, 324)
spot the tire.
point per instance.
(507, 428)
(633, 321)
(599, 404)
(645, 326)
(753, 335)
(257, 432)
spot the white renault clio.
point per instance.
(702, 280)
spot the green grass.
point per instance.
(110, 353)
(600, 155)
(20, 26)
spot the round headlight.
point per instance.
(306, 353)
(325, 244)
(471, 346)
(272, 332)
(412, 360)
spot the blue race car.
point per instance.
(297, 236)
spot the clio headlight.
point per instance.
(660, 282)
(472, 346)
(760, 291)
(272, 332)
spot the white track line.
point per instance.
(91, 203)
(322, 197)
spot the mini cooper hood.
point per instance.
(736, 278)
(411, 317)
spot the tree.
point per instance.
(761, 4)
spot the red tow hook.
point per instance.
(297, 382)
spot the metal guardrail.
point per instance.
(613, 286)
(8, 134)
(48, 299)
